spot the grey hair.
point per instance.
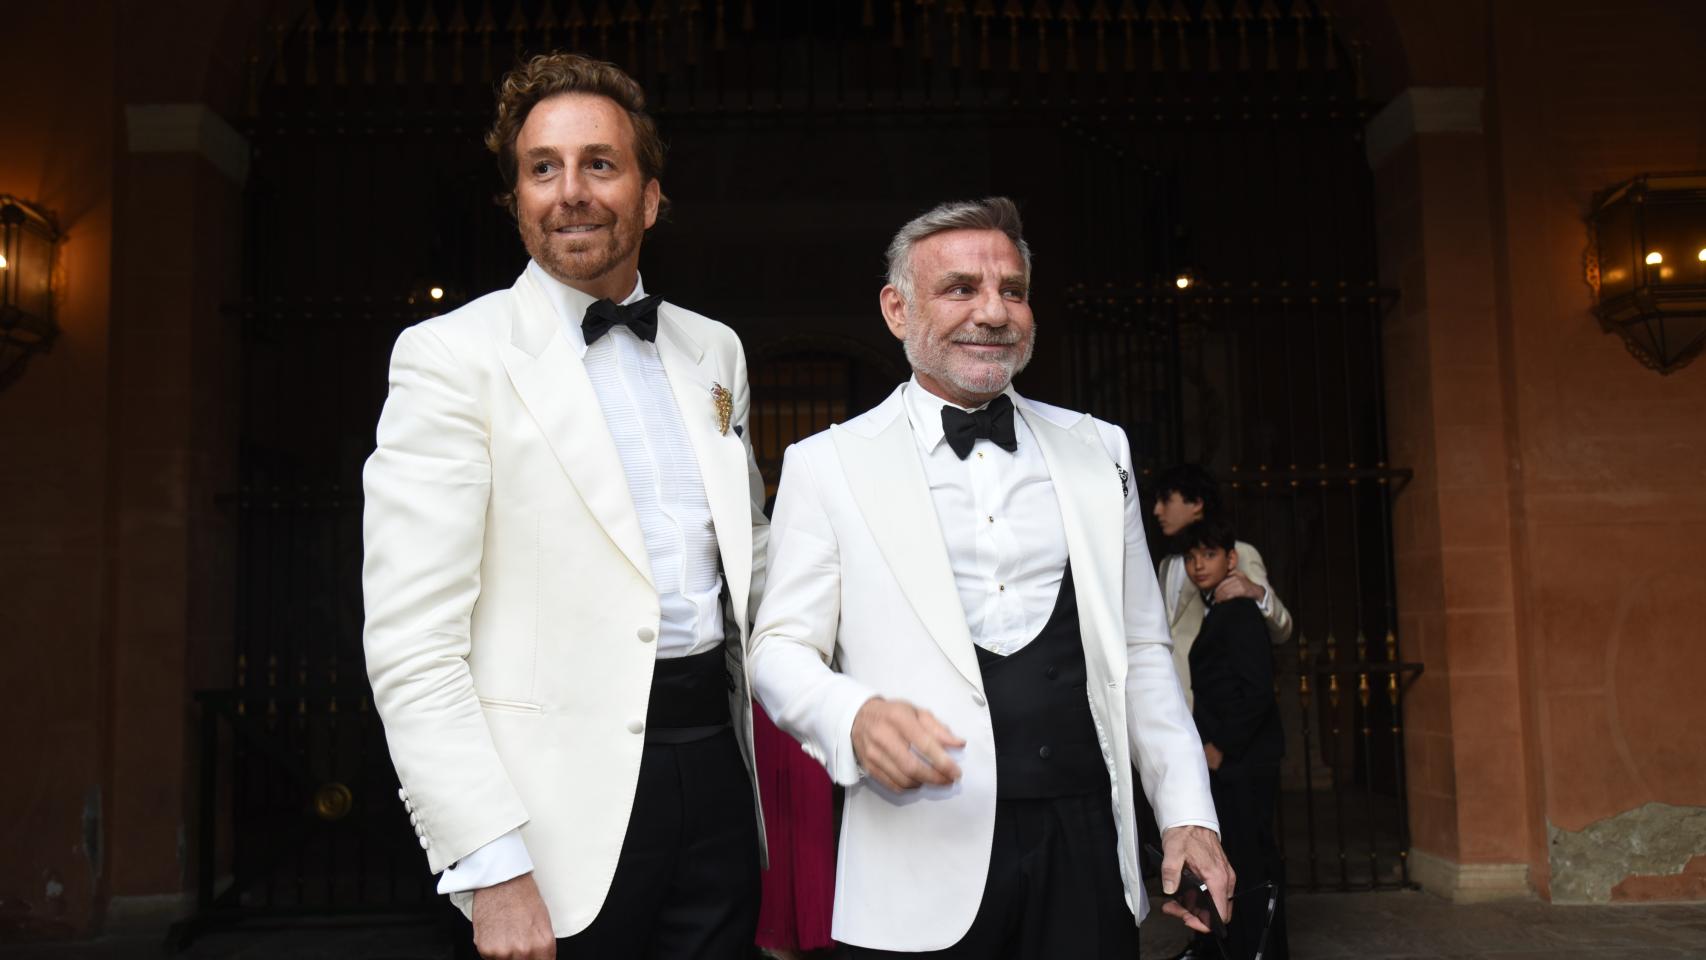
(990, 213)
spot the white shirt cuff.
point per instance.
(503, 859)
(844, 766)
(1213, 825)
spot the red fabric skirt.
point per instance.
(799, 887)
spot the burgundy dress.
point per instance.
(799, 887)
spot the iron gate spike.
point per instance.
(369, 28)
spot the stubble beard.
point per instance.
(573, 260)
(936, 357)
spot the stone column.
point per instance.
(1448, 421)
(177, 258)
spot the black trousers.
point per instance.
(687, 883)
(1053, 890)
(1245, 802)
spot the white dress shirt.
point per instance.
(1000, 522)
(669, 498)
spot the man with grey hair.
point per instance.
(972, 564)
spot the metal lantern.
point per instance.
(27, 240)
(1647, 266)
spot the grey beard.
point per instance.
(995, 382)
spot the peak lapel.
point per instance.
(1092, 510)
(721, 456)
(553, 385)
(887, 481)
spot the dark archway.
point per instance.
(1219, 144)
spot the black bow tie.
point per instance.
(641, 316)
(993, 423)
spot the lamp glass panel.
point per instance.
(1676, 229)
(33, 269)
(1683, 332)
(1618, 264)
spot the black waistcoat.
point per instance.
(1039, 706)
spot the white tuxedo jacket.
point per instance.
(511, 618)
(859, 578)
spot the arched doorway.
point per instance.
(1217, 147)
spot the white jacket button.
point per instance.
(977, 698)
(636, 726)
(646, 634)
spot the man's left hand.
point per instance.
(1199, 847)
(1237, 585)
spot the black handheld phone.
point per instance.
(1193, 895)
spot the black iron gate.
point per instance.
(1211, 143)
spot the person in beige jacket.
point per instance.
(1184, 494)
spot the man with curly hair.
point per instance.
(564, 537)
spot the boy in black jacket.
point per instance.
(1232, 677)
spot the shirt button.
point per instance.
(646, 634)
(637, 726)
(1045, 752)
(1001, 587)
(980, 454)
(991, 519)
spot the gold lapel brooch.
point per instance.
(724, 401)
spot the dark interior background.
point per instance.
(1218, 142)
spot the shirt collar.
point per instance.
(924, 409)
(571, 304)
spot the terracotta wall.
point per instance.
(1455, 564)
(1560, 488)
(60, 139)
(1609, 478)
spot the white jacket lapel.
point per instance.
(721, 456)
(1092, 510)
(887, 481)
(553, 384)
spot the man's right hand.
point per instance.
(903, 747)
(511, 922)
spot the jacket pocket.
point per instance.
(510, 706)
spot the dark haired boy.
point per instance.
(1232, 673)
(1186, 493)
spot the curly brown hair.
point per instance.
(550, 74)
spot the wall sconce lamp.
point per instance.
(27, 241)
(1646, 265)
